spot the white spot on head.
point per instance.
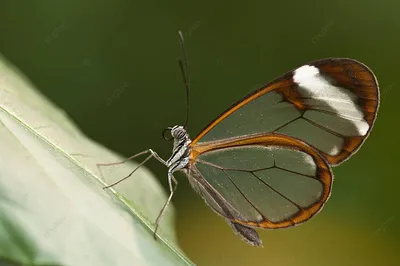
(342, 101)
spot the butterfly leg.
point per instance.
(172, 189)
(152, 154)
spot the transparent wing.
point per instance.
(216, 202)
(267, 181)
(330, 104)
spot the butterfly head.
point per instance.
(179, 132)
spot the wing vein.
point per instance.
(244, 196)
(336, 114)
(276, 191)
(287, 123)
(251, 171)
(324, 128)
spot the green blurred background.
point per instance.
(112, 65)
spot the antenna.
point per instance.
(185, 74)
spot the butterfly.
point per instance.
(265, 162)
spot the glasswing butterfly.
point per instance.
(266, 161)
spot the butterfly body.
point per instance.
(180, 152)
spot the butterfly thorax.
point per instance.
(180, 151)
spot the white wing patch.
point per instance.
(323, 94)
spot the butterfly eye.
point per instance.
(165, 137)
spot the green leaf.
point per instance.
(53, 208)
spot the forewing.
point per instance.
(267, 181)
(330, 104)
